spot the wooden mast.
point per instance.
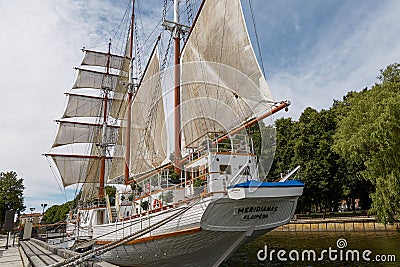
(177, 93)
(104, 139)
(130, 93)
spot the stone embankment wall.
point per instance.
(337, 225)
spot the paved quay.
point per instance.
(37, 253)
(11, 256)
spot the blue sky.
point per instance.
(316, 51)
(313, 52)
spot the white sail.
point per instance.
(89, 190)
(73, 133)
(83, 106)
(220, 73)
(75, 169)
(148, 133)
(117, 168)
(91, 106)
(117, 107)
(95, 79)
(100, 59)
(116, 62)
(85, 166)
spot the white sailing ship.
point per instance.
(197, 208)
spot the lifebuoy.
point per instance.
(157, 204)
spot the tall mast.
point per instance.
(103, 146)
(130, 92)
(177, 96)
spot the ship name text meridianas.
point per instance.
(255, 212)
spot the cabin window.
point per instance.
(225, 169)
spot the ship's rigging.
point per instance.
(123, 140)
(119, 113)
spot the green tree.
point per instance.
(144, 205)
(368, 135)
(136, 188)
(286, 135)
(353, 185)
(174, 178)
(57, 213)
(308, 143)
(318, 162)
(11, 193)
(111, 190)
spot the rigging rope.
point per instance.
(123, 31)
(189, 10)
(117, 229)
(138, 57)
(165, 59)
(145, 45)
(164, 13)
(105, 248)
(55, 177)
(255, 32)
(94, 43)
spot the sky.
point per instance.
(312, 51)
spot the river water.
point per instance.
(279, 248)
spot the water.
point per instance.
(383, 246)
(379, 243)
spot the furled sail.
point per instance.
(222, 84)
(148, 131)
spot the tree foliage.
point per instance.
(351, 150)
(145, 205)
(368, 135)
(111, 191)
(328, 176)
(319, 164)
(11, 193)
(57, 213)
(286, 134)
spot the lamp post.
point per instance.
(5, 218)
(32, 209)
(3, 215)
(44, 205)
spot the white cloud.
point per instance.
(342, 59)
(40, 45)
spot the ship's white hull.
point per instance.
(205, 235)
(204, 248)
